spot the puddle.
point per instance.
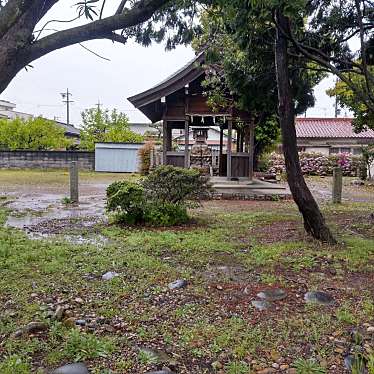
(44, 216)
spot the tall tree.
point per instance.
(104, 126)
(34, 134)
(246, 22)
(26, 29)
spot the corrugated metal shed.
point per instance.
(117, 157)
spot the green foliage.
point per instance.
(160, 199)
(165, 214)
(14, 364)
(237, 40)
(308, 367)
(81, 346)
(34, 134)
(104, 126)
(169, 184)
(127, 200)
(352, 100)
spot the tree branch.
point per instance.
(142, 11)
(121, 7)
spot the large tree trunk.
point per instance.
(314, 221)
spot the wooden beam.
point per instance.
(251, 150)
(229, 148)
(186, 143)
(220, 167)
(164, 141)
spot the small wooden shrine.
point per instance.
(179, 102)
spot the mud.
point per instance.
(44, 215)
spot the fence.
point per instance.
(46, 159)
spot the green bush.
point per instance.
(169, 184)
(165, 214)
(126, 200)
(160, 199)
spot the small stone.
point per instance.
(370, 329)
(109, 275)
(79, 300)
(163, 371)
(283, 367)
(260, 304)
(34, 294)
(78, 368)
(319, 297)
(69, 322)
(266, 371)
(217, 365)
(179, 283)
(34, 327)
(275, 365)
(339, 350)
(80, 322)
(273, 294)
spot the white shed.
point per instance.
(117, 157)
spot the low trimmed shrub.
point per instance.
(160, 199)
(318, 164)
(175, 185)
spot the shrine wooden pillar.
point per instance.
(251, 150)
(169, 133)
(220, 149)
(164, 141)
(229, 148)
(186, 143)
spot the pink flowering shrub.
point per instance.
(318, 164)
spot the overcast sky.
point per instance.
(131, 69)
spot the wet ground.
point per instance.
(36, 201)
(37, 204)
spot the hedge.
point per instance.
(319, 164)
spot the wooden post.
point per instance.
(74, 194)
(229, 146)
(169, 138)
(220, 150)
(251, 150)
(186, 143)
(337, 185)
(164, 141)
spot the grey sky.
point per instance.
(131, 69)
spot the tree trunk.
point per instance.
(314, 221)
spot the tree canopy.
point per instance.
(33, 134)
(105, 126)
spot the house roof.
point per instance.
(329, 128)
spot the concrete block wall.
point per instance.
(46, 159)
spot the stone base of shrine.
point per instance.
(243, 189)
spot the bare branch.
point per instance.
(121, 7)
(93, 52)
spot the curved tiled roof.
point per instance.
(328, 128)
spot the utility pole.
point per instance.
(99, 105)
(66, 99)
